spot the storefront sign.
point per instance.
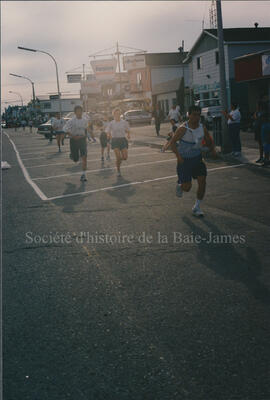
(134, 62)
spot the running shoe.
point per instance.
(197, 212)
(179, 191)
(266, 163)
(260, 160)
(83, 178)
(237, 154)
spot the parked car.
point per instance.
(46, 128)
(134, 117)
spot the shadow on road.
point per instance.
(69, 204)
(225, 261)
(122, 195)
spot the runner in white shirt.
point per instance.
(57, 126)
(77, 128)
(117, 130)
(174, 114)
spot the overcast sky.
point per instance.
(71, 30)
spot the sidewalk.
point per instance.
(146, 136)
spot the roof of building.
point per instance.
(167, 87)
(158, 59)
(243, 34)
(234, 35)
(267, 51)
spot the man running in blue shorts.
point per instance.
(189, 156)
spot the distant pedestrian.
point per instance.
(23, 123)
(30, 124)
(174, 127)
(158, 116)
(90, 134)
(104, 141)
(234, 119)
(58, 128)
(257, 126)
(174, 114)
(265, 130)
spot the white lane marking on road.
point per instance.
(131, 184)
(25, 173)
(110, 188)
(91, 160)
(102, 169)
(64, 152)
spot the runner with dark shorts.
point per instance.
(117, 130)
(104, 141)
(77, 128)
(57, 126)
(189, 156)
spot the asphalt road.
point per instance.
(152, 313)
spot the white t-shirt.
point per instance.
(58, 124)
(235, 114)
(117, 129)
(76, 126)
(174, 114)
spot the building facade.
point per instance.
(49, 105)
(254, 69)
(203, 61)
(159, 76)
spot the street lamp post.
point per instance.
(56, 68)
(18, 95)
(222, 72)
(33, 86)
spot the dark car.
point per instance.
(46, 128)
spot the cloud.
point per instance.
(71, 30)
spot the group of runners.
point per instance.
(186, 141)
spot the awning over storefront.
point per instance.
(252, 66)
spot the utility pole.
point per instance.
(119, 66)
(223, 90)
(34, 96)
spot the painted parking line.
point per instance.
(102, 169)
(69, 162)
(89, 152)
(27, 177)
(43, 197)
(131, 184)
